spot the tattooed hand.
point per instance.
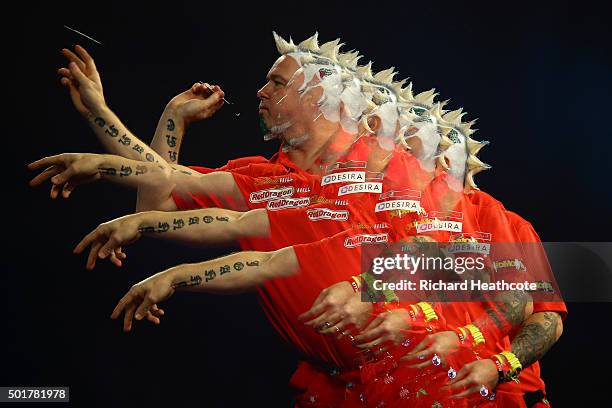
(67, 171)
(338, 310)
(109, 238)
(83, 81)
(197, 103)
(141, 300)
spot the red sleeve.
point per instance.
(528, 235)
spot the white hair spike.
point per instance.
(398, 86)
(331, 49)
(455, 116)
(474, 146)
(427, 97)
(407, 94)
(365, 71)
(310, 44)
(349, 59)
(385, 76)
(283, 46)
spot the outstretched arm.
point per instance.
(234, 273)
(209, 226)
(69, 170)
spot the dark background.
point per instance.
(537, 75)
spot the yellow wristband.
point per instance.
(515, 364)
(477, 336)
(428, 311)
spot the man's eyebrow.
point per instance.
(277, 77)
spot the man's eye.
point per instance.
(278, 83)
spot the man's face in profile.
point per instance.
(279, 100)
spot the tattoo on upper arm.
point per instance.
(253, 263)
(172, 155)
(535, 339)
(222, 219)
(194, 220)
(195, 280)
(149, 157)
(141, 170)
(170, 125)
(100, 121)
(207, 219)
(224, 269)
(238, 266)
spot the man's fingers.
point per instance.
(463, 373)
(120, 254)
(421, 346)
(64, 176)
(67, 189)
(423, 356)
(144, 308)
(152, 318)
(45, 161)
(78, 74)
(157, 311)
(93, 255)
(314, 311)
(89, 61)
(121, 305)
(374, 343)
(65, 73)
(326, 320)
(368, 336)
(469, 391)
(374, 323)
(45, 175)
(128, 317)
(55, 190)
(72, 57)
(89, 238)
(114, 260)
(335, 328)
(109, 247)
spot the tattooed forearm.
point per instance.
(108, 127)
(507, 311)
(536, 337)
(124, 171)
(193, 281)
(179, 223)
(211, 274)
(171, 140)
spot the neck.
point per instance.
(307, 153)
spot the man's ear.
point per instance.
(374, 123)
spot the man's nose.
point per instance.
(262, 93)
